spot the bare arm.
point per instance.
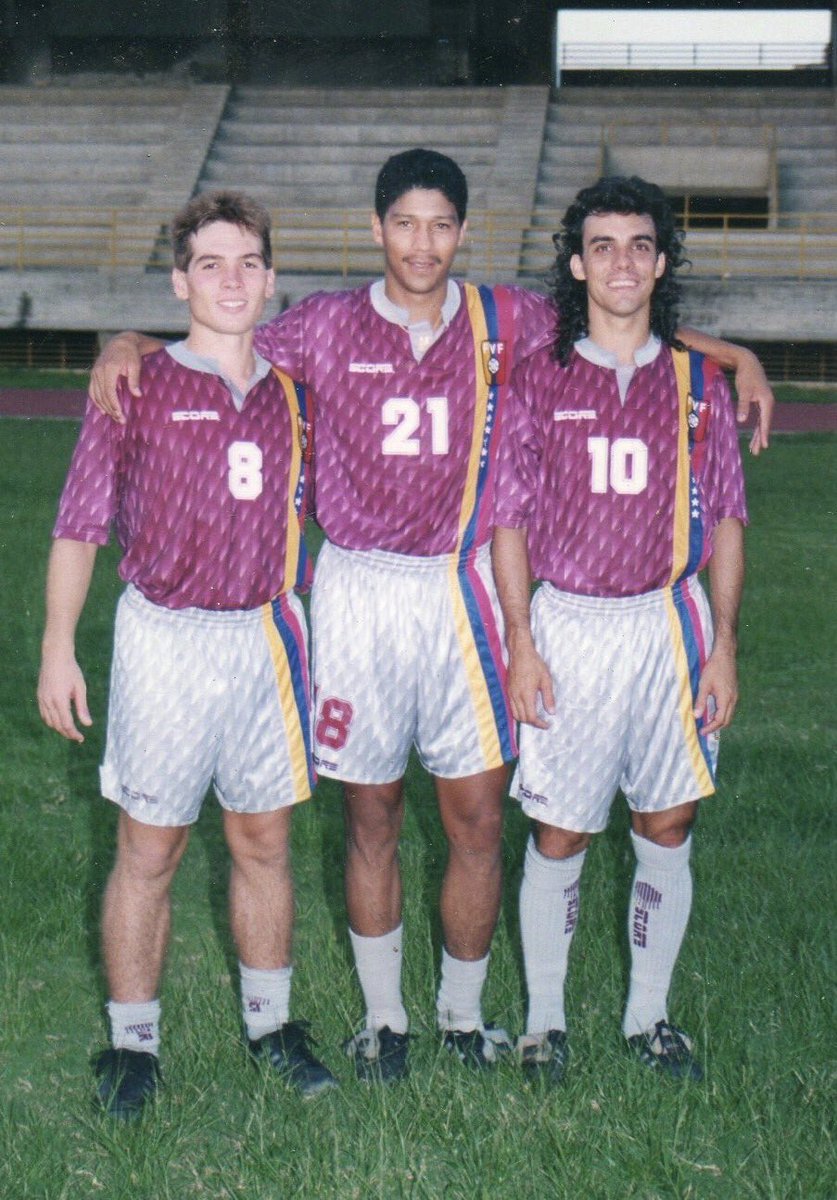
(61, 685)
(529, 677)
(121, 356)
(750, 381)
(719, 679)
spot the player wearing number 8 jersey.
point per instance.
(621, 479)
(206, 484)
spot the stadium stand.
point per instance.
(93, 171)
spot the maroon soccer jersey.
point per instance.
(605, 488)
(394, 437)
(207, 501)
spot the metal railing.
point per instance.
(691, 56)
(338, 242)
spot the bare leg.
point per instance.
(261, 887)
(472, 817)
(374, 815)
(136, 913)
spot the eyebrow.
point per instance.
(637, 237)
(202, 258)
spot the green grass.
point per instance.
(31, 377)
(755, 981)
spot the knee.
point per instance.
(259, 840)
(668, 829)
(553, 842)
(151, 856)
(373, 820)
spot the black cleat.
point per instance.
(477, 1049)
(286, 1051)
(544, 1056)
(125, 1080)
(667, 1049)
(380, 1056)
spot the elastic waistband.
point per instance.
(387, 561)
(615, 604)
(134, 598)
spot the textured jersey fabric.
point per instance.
(615, 500)
(400, 464)
(207, 501)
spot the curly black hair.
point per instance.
(615, 194)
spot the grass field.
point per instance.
(755, 981)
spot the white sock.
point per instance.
(661, 900)
(378, 965)
(549, 899)
(265, 999)
(460, 990)
(135, 1026)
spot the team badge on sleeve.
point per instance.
(494, 362)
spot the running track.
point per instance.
(23, 402)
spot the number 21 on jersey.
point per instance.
(405, 416)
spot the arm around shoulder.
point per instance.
(751, 381)
(121, 357)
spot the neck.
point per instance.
(419, 306)
(233, 352)
(622, 336)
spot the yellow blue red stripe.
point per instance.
(297, 572)
(476, 627)
(690, 653)
(286, 638)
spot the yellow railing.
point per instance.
(338, 242)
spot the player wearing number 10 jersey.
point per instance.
(621, 478)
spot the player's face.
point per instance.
(619, 263)
(226, 283)
(420, 234)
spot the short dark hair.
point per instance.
(233, 207)
(615, 194)
(420, 169)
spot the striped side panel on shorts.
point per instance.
(475, 624)
(690, 654)
(286, 639)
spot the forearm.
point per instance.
(726, 581)
(513, 576)
(69, 573)
(143, 343)
(730, 355)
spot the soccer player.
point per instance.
(206, 483)
(409, 375)
(621, 479)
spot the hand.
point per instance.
(529, 681)
(719, 683)
(61, 688)
(753, 388)
(120, 357)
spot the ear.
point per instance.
(377, 229)
(660, 266)
(577, 268)
(269, 284)
(179, 284)
(463, 229)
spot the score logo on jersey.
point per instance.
(494, 362)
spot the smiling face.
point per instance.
(226, 282)
(619, 264)
(420, 234)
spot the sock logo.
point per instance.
(647, 897)
(571, 916)
(257, 1004)
(143, 1031)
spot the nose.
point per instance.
(232, 277)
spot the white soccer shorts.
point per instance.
(407, 651)
(625, 673)
(200, 697)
